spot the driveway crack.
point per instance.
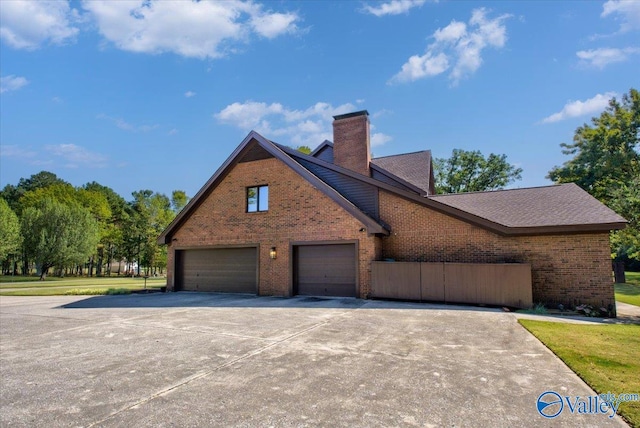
(215, 369)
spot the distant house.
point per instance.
(274, 221)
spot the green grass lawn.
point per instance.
(632, 277)
(604, 356)
(17, 279)
(88, 285)
(630, 291)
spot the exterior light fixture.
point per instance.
(272, 253)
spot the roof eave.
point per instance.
(566, 229)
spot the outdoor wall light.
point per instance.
(272, 253)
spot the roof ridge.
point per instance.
(401, 154)
(501, 190)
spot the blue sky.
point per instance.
(157, 94)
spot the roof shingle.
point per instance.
(556, 205)
(414, 168)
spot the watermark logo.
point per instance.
(550, 404)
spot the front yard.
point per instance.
(30, 286)
(604, 356)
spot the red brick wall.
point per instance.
(568, 269)
(351, 146)
(297, 212)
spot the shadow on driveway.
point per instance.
(184, 299)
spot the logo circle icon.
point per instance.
(550, 404)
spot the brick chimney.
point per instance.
(351, 146)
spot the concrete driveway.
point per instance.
(195, 359)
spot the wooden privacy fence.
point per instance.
(503, 284)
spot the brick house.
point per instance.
(274, 221)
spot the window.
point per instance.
(257, 199)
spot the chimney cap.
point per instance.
(354, 114)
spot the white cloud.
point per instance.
(197, 29)
(602, 57)
(451, 33)
(27, 24)
(76, 155)
(273, 24)
(308, 127)
(419, 66)
(626, 11)
(12, 83)
(457, 47)
(394, 7)
(581, 108)
(189, 94)
(126, 126)
(378, 139)
(14, 151)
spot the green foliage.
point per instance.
(96, 291)
(117, 229)
(58, 235)
(13, 194)
(606, 163)
(10, 237)
(605, 152)
(470, 171)
(591, 311)
(304, 149)
(179, 200)
(625, 200)
(537, 309)
(150, 214)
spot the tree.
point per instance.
(606, 152)
(179, 200)
(470, 171)
(625, 243)
(64, 193)
(10, 237)
(606, 163)
(150, 214)
(12, 194)
(112, 242)
(304, 149)
(58, 235)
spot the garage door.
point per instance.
(325, 270)
(230, 270)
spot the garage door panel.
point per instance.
(221, 270)
(326, 270)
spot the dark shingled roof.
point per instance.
(414, 168)
(557, 205)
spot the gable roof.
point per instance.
(537, 207)
(413, 168)
(254, 147)
(542, 210)
(325, 145)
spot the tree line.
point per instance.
(47, 224)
